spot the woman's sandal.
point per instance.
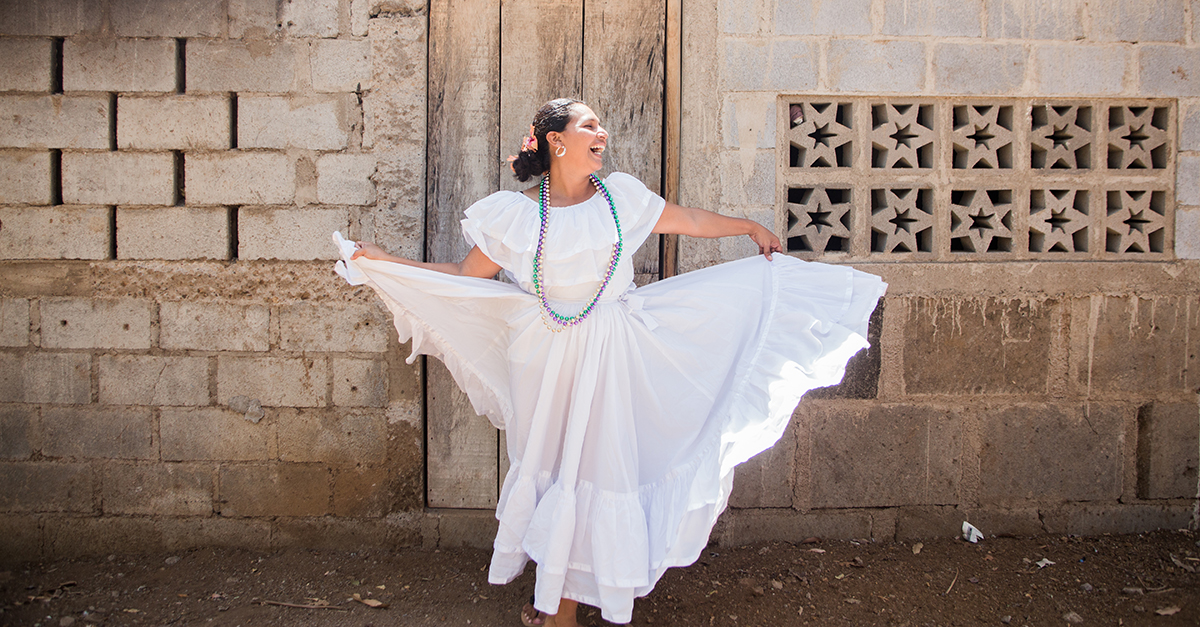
(531, 616)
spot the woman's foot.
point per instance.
(531, 617)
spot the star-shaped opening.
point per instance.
(981, 136)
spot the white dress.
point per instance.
(623, 432)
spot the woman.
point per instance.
(626, 409)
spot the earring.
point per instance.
(562, 150)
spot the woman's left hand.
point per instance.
(766, 240)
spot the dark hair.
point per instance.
(553, 116)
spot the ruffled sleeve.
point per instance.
(638, 207)
(503, 227)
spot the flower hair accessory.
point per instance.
(529, 144)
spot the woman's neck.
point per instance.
(569, 188)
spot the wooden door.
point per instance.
(492, 63)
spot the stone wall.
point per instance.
(1022, 389)
(178, 364)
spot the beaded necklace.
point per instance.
(561, 321)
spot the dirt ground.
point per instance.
(1148, 579)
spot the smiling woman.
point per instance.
(622, 448)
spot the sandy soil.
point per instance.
(1148, 579)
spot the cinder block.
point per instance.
(25, 177)
(168, 18)
(766, 480)
(341, 65)
(1138, 21)
(360, 15)
(172, 233)
(153, 380)
(252, 19)
(54, 233)
(14, 322)
(1000, 522)
(885, 456)
(252, 66)
(1187, 232)
(88, 323)
(45, 487)
(362, 491)
(938, 18)
(978, 68)
(51, 19)
(239, 178)
(1008, 340)
(928, 522)
(91, 537)
(146, 65)
(1035, 19)
(745, 526)
(794, 68)
(815, 17)
(1187, 180)
(1168, 441)
(877, 66)
(1075, 69)
(61, 378)
(744, 18)
(173, 122)
(181, 534)
(213, 433)
(1139, 346)
(54, 121)
(274, 490)
(1051, 453)
(1169, 71)
(20, 539)
(332, 437)
(118, 178)
(312, 327)
(17, 425)
(157, 490)
(359, 382)
(12, 378)
(749, 118)
(273, 381)
(1189, 127)
(309, 18)
(292, 233)
(394, 110)
(315, 123)
(345, 179)
(213, 326)
(106, 432)
(1093, 519)
(26, 65)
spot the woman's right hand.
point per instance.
(368, 250)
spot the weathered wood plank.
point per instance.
(623, 83)
(669, 255)
(464, 89)
(542, 42)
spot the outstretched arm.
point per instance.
(475, 264)
(701, 223)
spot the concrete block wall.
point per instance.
(179, 366)
(1024, 393)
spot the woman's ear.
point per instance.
(554, 138)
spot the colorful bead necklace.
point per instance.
(548, 314)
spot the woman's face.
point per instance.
(583, 138)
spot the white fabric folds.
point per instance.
(623, 432)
